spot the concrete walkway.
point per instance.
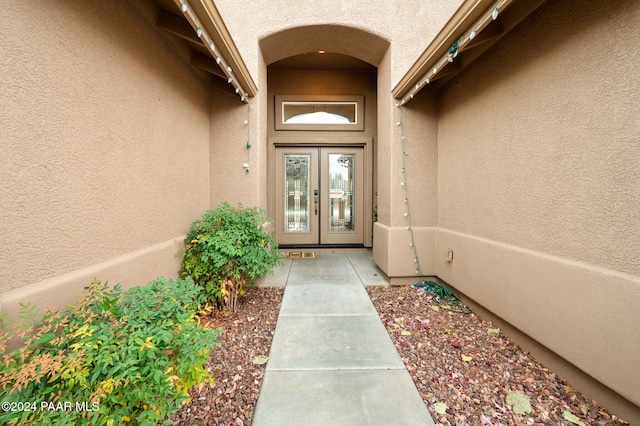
(332, 361)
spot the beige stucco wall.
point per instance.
(539, 185)
(408, 24)
(278, 29)
(104, 141)
(325, 83)
(551, 157)
(233, 123)
(526, 164)
(417, 122)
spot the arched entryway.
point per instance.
(321, 171)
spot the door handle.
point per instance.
(315, 200)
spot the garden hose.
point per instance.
(444, 297)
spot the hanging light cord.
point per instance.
(208, 43)
(444, 296)
(407, 212)
(248, 122)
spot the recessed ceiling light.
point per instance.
(322, 52)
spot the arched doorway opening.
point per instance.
(321, 170)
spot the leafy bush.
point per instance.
(227, 249)
(114, 358)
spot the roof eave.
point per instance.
(468, 17)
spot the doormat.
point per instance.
(300, 255)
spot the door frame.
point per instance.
(328, 140)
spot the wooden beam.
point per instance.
(460, 24)
(212, 23)
(468, 13)
(178, 26)
(488, 35)
(448, 71)
(151, 10)
(206, 63)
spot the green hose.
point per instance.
(444, 297)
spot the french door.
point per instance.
(319, 195)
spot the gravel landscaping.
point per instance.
(454, 359)
(231, 400)
(462, 371)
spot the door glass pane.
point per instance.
(296, 192)
(341, 192)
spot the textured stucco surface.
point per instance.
(325, 83)
(539, 185)
(538, 142)
(328, 83)
(584, 313)
(232, 124)
(103, 137)
(131, 269)
(419, 127)
(410, 25)
(526, 164)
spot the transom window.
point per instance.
(296, 112)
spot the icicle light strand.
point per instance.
(490, 16)
(210, 45)
(407, 213)
(249, 144)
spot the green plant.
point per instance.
(114, 358)
(227, 249)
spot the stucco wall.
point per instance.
(408, 24)
(392, 251)
(420, 161)
(538, 142)
(314, 82)
(539, 185)
(327, 83)
(104, 141)
(232, 124)
(357, 29)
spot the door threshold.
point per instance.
(321, 246)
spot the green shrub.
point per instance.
(114, 358)
(227, 249)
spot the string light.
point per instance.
(248, 123)
(452, 52)
(202, 34)
(407, 213)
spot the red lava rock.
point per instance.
(475, 391)
(232, 398)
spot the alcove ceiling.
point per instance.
(322, 61)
